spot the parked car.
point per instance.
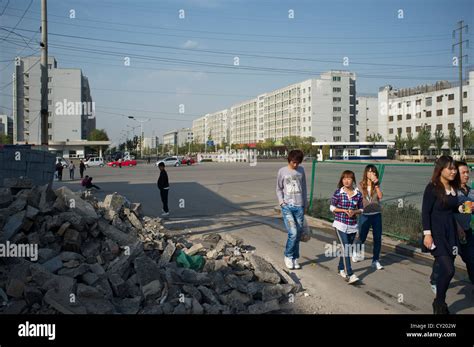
(169, 161)
(124, 163)
(63, 161)
(94, 161)
(188, 161)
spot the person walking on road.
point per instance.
(371, 217)
(59, 169)
(440, 237)
(72, 168)
(292, 196)
(346, 204)
(82, 168)
(163, 186)
(120, 163)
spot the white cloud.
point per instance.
(190, 44)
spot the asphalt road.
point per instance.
(238, 198)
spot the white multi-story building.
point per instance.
(184, 136)
(151, 142)
(170, 138)
(367, 117)
(71, 114)
(405, 111)
(322, 108)
(6, 125)
(199, 130)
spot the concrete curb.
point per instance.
(388, 244)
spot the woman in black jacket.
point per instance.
(439, 227)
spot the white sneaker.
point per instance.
(376, 264)
(289, 263)
(433, 288)
(295, 264)
(165, 214)
(353, 279)
(342, 273)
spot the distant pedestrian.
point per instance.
(369, 186)
(148, 160)
(440, 237)
(59, 169)
(72, 168)
(82, 168)
(346, 204)
(120, 162)
(292, 196)
(163, 186)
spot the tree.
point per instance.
(410, 143)
(453, 140)
(424, 139)
(5, 139)
(439, 140)
(374, 138)
(468, 135)
(98, 135)
(399, 142)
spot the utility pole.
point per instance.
(141, 121)
(460, 58)
(44, 74)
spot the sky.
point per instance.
(143, 60)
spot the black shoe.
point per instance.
(440, 308)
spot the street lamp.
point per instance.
(141, 121)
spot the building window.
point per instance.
(417, 129)
(390, 131)
(49, 90)
(464, 109)
(50, 137)
(336, 109)
(336, 99)
(50, 79)
(50, 125)
(336, 128)
(451, 110)
(451, 97)
(418, 115)
(336, 78)
(439, 98)
(418, 102)
(336, 90)
(390, 118)
(399, 105)
(408, 103)
(428, 101)
(399, 131)
(309, 128)
(408, 116)
(450, 126)
(464, 94)
(408, 130)
(336, 138)
(309, 89)
(309, 108)
(399, 117)
(336, 119)
(50, 114)
(439, 126)
(439, 112)
(49, 66)
(428, 113)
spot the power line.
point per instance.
(19, 21)
(8, 2)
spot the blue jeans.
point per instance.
(293, 216)
(365, 222)
(346, 240)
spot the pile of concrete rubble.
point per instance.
(104, 257)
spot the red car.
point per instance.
(124, 163)
(188, 161)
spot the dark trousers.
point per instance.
(346, 240)
(81, 171)
(467, 254)
(60, 175)
(164, 199)
(442, 274)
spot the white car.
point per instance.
(94, 161)
(170, 161)
(63, 161)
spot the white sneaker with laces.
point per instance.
(376, 264)
(295, 264)
(356, 257)
(342, 273)
(289, 263)
(353, 279)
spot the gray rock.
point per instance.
(97, 306)
(15, 288)
(45, 254)
(264, 307)
(118, 285)
(47, 198)
(81, 207)
(15, 307)
(133, 219)
(114, 202)
(167, 254)
(84, 291)
(54, 264)
(195, 249)
(40, 274)
(193, 291)
(33, 295)
(63, 228)
(130, 305)
(13, 226)
(68, 256)
(97, 269)
(72, 241)
(197, 307)
(90, 278)
(75, 272)
(31, 212)
(76, 220)
(3, 297)
(6, 197)
(232, 239)
(209, 296)
(236, 300)
(63, 300)
(146, 269)
(90, 248)
(152, 289)
(235, 282)
(180, 309)
(264, 270)
(271, 292)
(115, 234)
